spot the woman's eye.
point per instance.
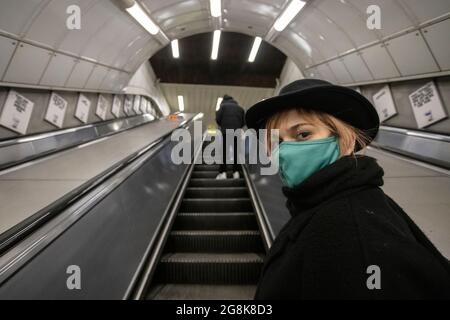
(303, 135)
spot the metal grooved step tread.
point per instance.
(215, 221)
(211, 167)
(216, 205)
(195, 268)
(212, 183)
(233, 192)
(215, 249)
(173, 291)
(215, 241)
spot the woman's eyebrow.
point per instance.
(299, 125)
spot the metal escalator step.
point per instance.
(214, 241)
(202, 292)
(212, 183)
(215, 221)
(211, 167)
(207, 174)
(233, 192)
(195, 268)
(216, 205)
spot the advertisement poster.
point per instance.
(56, 110)
(83, 108)
(384, 103)
(16, 112)
(427, 105)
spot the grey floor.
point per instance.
(422, 192)
(27, 189)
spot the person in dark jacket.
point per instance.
(230, 116)
(346, 239)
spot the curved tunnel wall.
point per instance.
(328, 39)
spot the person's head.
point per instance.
(227, 97)
(297, 125)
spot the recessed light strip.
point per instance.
(143, 18)
(181, 103)
(255, 49)
(216, 44)
(216, 8)
(291, 11)
(219, 102)
(175, 49)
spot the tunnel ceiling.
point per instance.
(231, 69)
(329, 39)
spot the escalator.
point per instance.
(214, 249)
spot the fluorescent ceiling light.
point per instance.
(219, 102)
(255, 49)
(175, 49)
(181, 103)
(216, 43)
(143, 18)
(289, 14)
(216, 8)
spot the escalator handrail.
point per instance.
(417, 133)
(5, 142)
(48, 135)
(263, 221)
(88, 190)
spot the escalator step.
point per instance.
(211, 167)
(237, 192)
(212, 183)
(207, 174)
(197, 268)
(215, 221)
(202, 292)
(214, 241)
(216, 205)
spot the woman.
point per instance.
(346, 238)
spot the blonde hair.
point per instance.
(349, 136)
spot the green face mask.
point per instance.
(299, 160)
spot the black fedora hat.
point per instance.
(343, 103)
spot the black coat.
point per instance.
(341, 224)
(230, 115)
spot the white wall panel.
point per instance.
(28, 64)
(16, 15)
(58, 70)
(313, 73)
(7, 47)
(393, 17)
(340, 71)
(411, 54)
(172, 9)
(315, 24)
(96, 78)
(426, 10)
(357, 68)
(50, 26)
(352, 21)
(438, 36)
(379, 62)
(290, 73)
(93, 19)
(80, 74)
(111, 78)
(325, 73)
